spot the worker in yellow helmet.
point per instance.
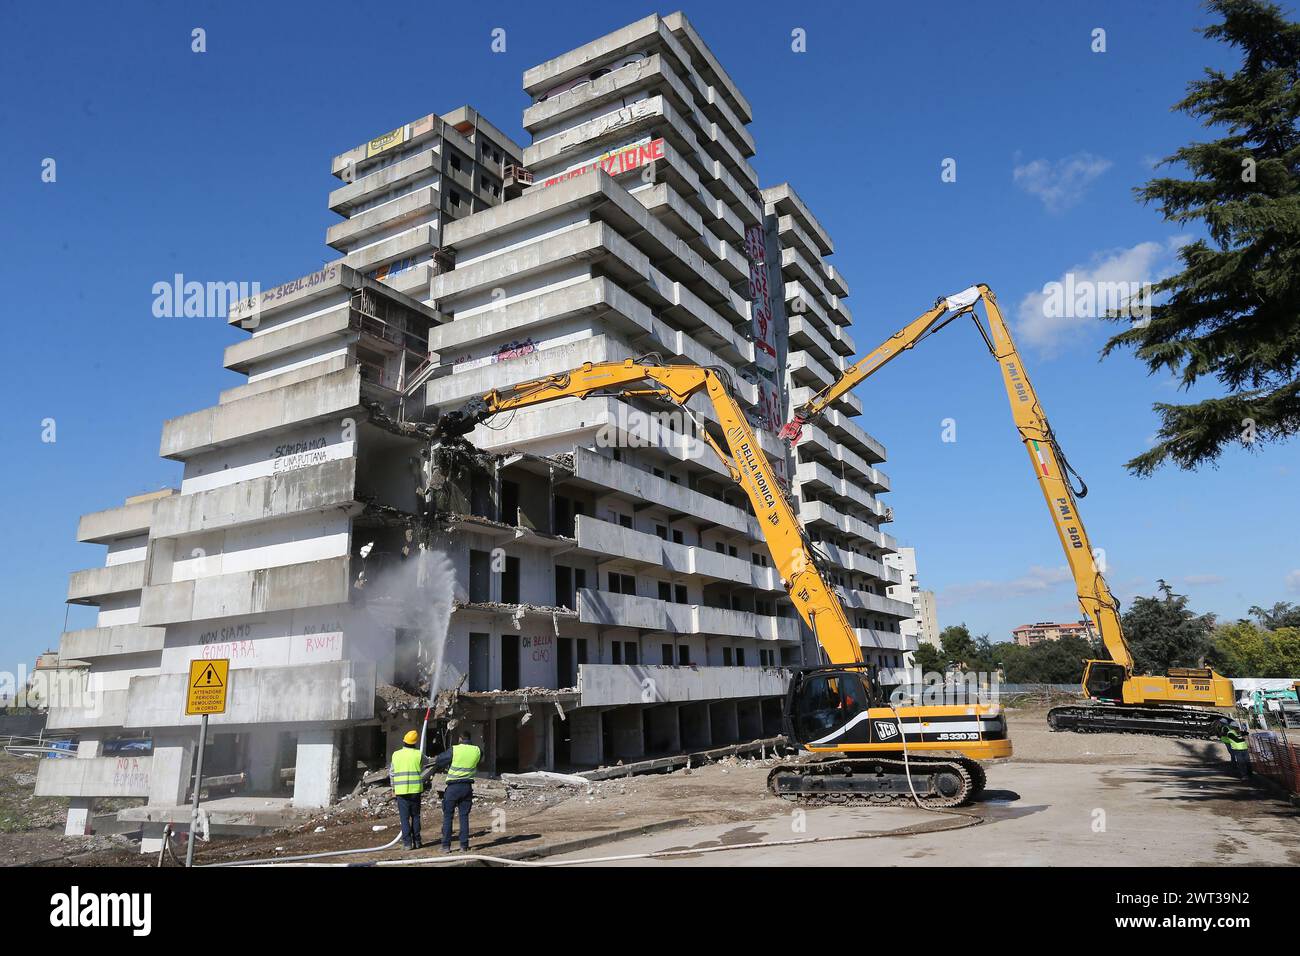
(404, 773)
(461, 762)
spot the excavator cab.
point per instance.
(826, 706)
(1104, 680)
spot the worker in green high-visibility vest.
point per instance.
(461, 762)
(404, 772)
(1237, 740)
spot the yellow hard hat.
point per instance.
(412, 737)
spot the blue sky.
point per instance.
(215, 165)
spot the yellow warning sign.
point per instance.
(207, 687)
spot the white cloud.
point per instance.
(1060, 183)
(1066, 308)
(1293, 582)
(1037, 580)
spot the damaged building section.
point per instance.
(581, 584)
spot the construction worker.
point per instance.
(461, 762)
(1238, 743)
(404, 773)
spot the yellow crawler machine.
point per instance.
(1121, 701)
(871, 750)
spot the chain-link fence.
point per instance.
(1277, 758)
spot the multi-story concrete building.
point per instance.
(605, 593)
(923, 625)
(1027, 635)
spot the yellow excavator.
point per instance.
(1120, 700)
(867, 748)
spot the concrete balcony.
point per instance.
(648, 118)
(813, 513)
(607, 475)
(852, 434)
(336, 323)
(335, 395)
(825, 338)
(650, 614)
(846, 404)
(817, 477)
(94, 777)
(870, 637)
(605, 304)
(400, 246)
(309, 584)
(877, 604)
(612, 685)
(816, 443)
(860, 563)
(105, 708)
(467, 291)
(321, 487)
(608, 541)
(125, 521)
(346, 198)
(422, 202)
(806, 372)
(835, 280)
(709, 68)
(797, 267)
(93, 584)
(334, 692)
(95, 642)
(782, 200)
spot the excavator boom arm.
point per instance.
(791, 551)
(1049, 464)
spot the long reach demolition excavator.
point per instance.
(1120, 701)
(866, 748)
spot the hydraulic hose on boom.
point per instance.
(1122, 701)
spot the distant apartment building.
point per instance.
(1027, 635)
(612, 596)
(923, 625)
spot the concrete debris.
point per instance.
(395, 698)
(545, 778)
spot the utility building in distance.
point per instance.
(586, 585)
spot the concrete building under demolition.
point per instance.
(603, 587)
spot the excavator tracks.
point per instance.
(879, 780)
(1152, 721)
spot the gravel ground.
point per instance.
(733, 791)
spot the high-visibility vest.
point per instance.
(464, 762)
(1235, 742)
(404, 771)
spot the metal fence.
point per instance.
(1274, 756)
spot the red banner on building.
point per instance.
(761, 297)
(616, 162)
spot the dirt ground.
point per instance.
(508, 821)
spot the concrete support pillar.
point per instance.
(749, 719)
(722, 722)
(171, 767)
(151, 838)
(316, 771)
(262, 762)
(662, 734)
(585, 740)
(626, 733)
(80, 810)
(696, 732)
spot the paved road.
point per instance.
(1042, 815)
